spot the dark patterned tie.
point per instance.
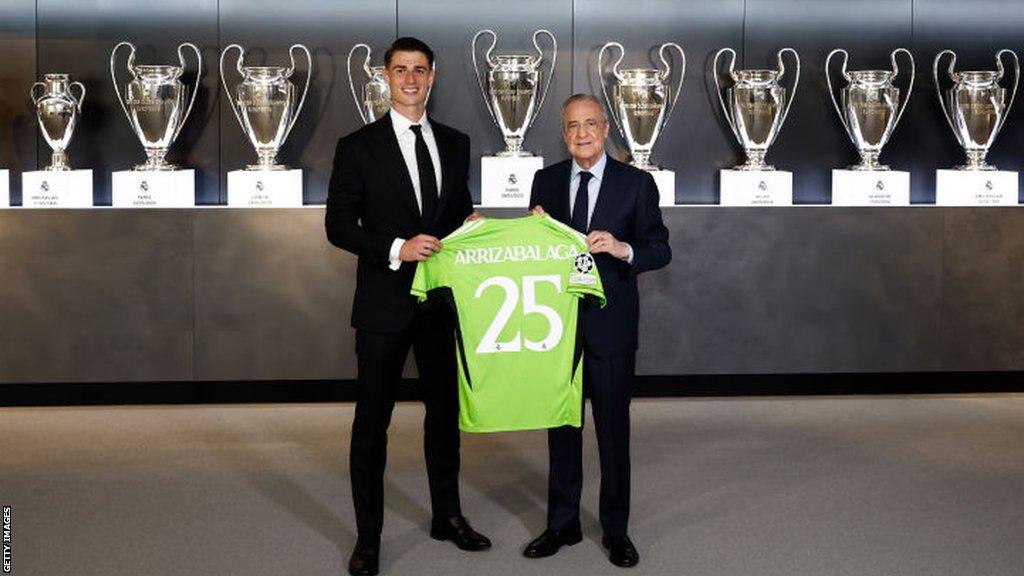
(579, 208)
(428, 178)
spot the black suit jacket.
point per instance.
(627, 206)
(371, 201)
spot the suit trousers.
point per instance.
(608, 380)
(381, 357)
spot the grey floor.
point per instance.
(923, 485)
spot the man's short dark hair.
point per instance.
(409, 44)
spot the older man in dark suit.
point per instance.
(398, 185)
(616, 206)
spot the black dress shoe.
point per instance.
(548, 543)
(365, 559)
(458, 530)
(621, 551)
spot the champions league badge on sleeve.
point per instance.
(583, 263)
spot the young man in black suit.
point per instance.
(616, 206)
(398, 185)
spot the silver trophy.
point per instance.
(57, 109)
(978, 104)
(376, 95)
(870, 106)
(757, 105)
(265, 103)
(155, 103)
(640, 98)
(510, 88)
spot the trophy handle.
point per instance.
(1016, 79)
(551, 71)
(113, 74)
(896, 72)
(309, 78)
(195, 87)
(224, 79)
(668, 70)
(718, 85)
(828, 81)
(81, 96)
(938, 87)
(796, 79)
(351, 84)
(490, 62)
(32, 92)
(615, 72)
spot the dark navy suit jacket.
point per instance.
(627, 206)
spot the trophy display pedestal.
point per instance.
(975, 188)
(5, 188)
(64, 189)
(265, 188)
(870, 188)
(756, 188)
(142, 189)
(505, 181)
(666, 182)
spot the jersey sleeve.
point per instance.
(426, 278)
(584, 279)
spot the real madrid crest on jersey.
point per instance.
(584, 263)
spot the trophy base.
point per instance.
(976, 168)
(147, 167)
(975, 188)
(265, 188)
(756, 188)
(56, 189)
(665, 180)
(868, 168)
(266, 168)
(513, 154)
(5, 188)
(749, 167)
(154, 189)
(64, 168)
(870, 188)
(505, 181)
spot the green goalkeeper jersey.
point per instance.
(515, 285)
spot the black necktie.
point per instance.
(428, 178)
(579, 208)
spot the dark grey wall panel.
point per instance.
(812, 141)
(95, 296)
(17, 73)
(273, 298)
(448, 26)
(761, 290)
(266, 28)
(975, 31)
(696, 142)
(76, 36)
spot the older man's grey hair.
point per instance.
(581, 97)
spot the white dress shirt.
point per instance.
(593, 189)
(407, 144)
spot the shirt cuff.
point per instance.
(395, 262)
(629, 257)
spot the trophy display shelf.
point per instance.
(505, 181)
(870, 188)
(975, 188)
(665, 180)
(5, 188)
(265, 188)
(756, 188)
(57, 189)
(154, 189)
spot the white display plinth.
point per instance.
(756, 188)
(5, 188)
(265, 188)
(975, 188)
(666, 181)
(141, 189)
(63, 189)
(870, 188)
(505, 182)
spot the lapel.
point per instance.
(561, 211)
(393, 163)
(605, 196)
